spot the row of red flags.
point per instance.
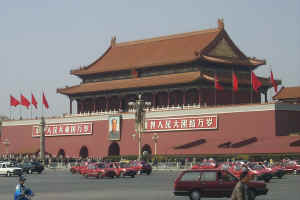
(255, 82)
(25, 102)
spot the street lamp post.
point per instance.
(42, 140)
(6, 143)
(139, 105)
(155, 139)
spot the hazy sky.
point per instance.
(41, 41)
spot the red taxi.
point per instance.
(205, 165)
(124, 169)
(99, 170)
(293, 165)
(141, 167)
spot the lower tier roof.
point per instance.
(152, 81)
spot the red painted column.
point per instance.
(95, 101)
(106, 103)
(78, 106)
(121, 102)
(82, 106)
(154, 99)
(184, 98)
(199, 96)
(71, 100)
(168, 98)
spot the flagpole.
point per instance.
(232, 98)
(251, 87)
(20, 117)
(271, 93)
(215, 89)
(9, 108)
(42, 105)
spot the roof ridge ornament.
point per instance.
(113, 41)
(220, 23)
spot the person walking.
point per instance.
(241, 191)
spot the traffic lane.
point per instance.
(61, 185)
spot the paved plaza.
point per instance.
(61, 185)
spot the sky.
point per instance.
(41, 41)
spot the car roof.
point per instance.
(203, 170)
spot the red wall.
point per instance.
(232, 127)
(287, 122)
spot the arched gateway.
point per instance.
(61, 153)
(146, 149)
(84, 152)
(114, 149)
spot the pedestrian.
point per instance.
(241, 191)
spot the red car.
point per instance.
(205, 165)
(76, 169)
(214, 183)
(141, 167)
(124, 169)
(257, 172)
(293, 165)
(99, 170)
(276, 171)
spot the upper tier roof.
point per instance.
(172, 49)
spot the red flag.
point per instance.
(218, 86)
(24, 101)
(33, 101)
(235, 84)
(13, 101)
(45, 102)
(273, 82)
(255, 82)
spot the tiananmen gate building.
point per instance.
(203, 102)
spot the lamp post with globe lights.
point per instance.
(42, 140)
(139, 106)
(155, 139)
(6, 143)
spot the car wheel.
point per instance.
(132, 176)
(86, 175)
(100, 175)
(252, 195)
(8, 174)
(120, 175)
(112, 175)
(255, 178)
(267, 180)
(195, 195)
(148, 172)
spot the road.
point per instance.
(61, 185)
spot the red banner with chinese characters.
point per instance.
(182, 123)
(64, 129)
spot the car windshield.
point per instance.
(256, 167)
(124, 165)
(101, 165)
(11, 165)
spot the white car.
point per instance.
(8, 169)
